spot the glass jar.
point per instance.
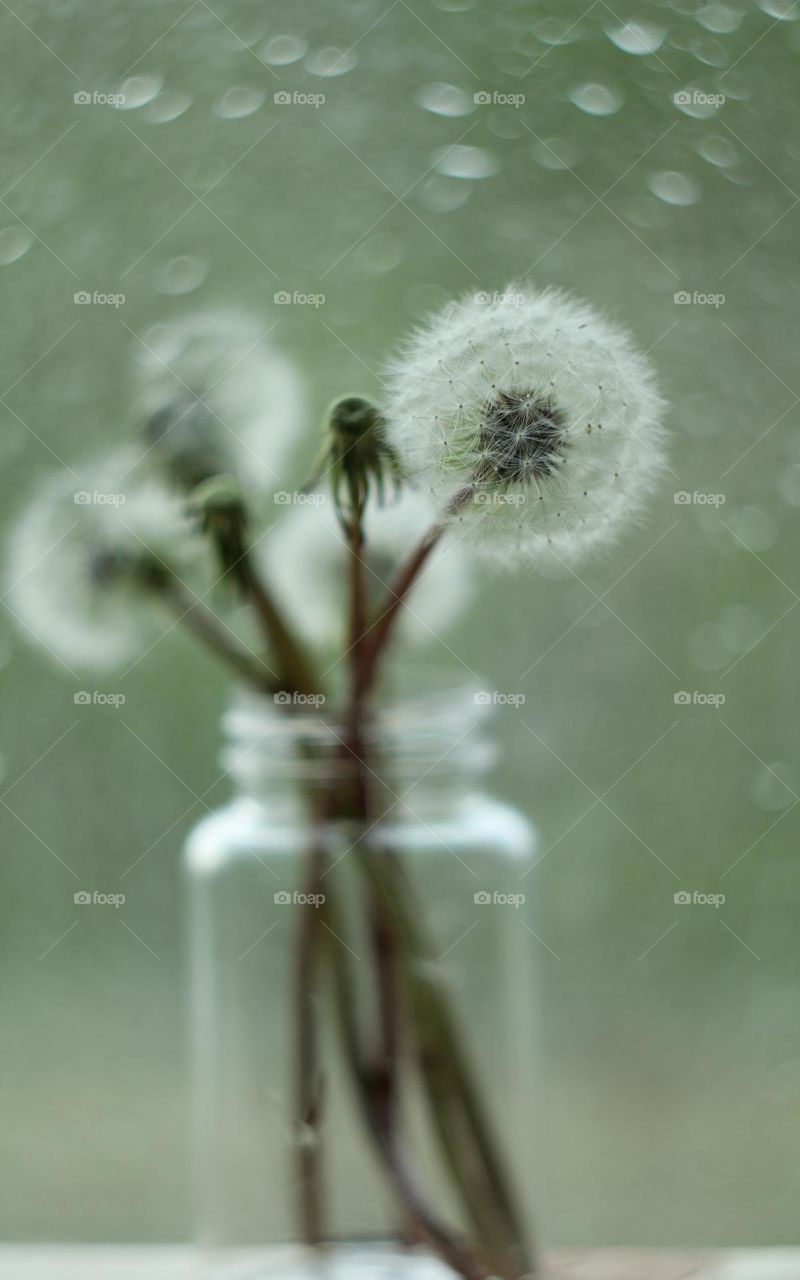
(463, 854)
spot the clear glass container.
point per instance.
(464, 854)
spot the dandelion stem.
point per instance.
(294, 666)
(205, 625)
(309, 1081)
(398, 590)
(370, 1087)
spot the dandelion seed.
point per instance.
(63, 588)
(556, 436)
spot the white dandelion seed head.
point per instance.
(108, 506)
(305, 560)
(226, 360)
(545, 408)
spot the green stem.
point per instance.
(371, 1095)
(204, 624)
(448, 1079)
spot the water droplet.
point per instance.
(674, 188)
(719, 18)
(717, 150)
(774, 786)
(169, 105)
(14, 241)
(788, 485)
(236, 103)
(786, 10)
(754, 527)
(203, 171)
(556, 31)
(596, 99)
(443, 195)
(698, 103)
(555, 153)
(466, 162)
(444, 99)
(739, 627)
(137, 91)
(710, 52)
(180, 275)
(637, 37)
(379, 254)
(331, 62)
(282, 50)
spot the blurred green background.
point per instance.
(670, 1032)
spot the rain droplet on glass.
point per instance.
(719, 18)
(753, 527)
(674, 188)
(236, 103)
(180, 275)
(466, 162)
(444, 99)
(786, 10)
(596, 99)
(137, 91)
(717, 150)
(774, 786)
(14, 242)
(280, 51)
(637, 37)
(168, 106)
(555, 153)
(331, 62)
(443, 195)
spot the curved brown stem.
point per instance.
(399, 589)
(204, 624)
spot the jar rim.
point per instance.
(432, 730)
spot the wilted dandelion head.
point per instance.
(64, 585)
(306, 559)
(216, 377)
(537, 414)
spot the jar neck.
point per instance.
(418, 754)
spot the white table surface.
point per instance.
(122, 1262)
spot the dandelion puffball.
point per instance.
(223, 363)
(104, 508)
(305, 558)
(534, 416)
